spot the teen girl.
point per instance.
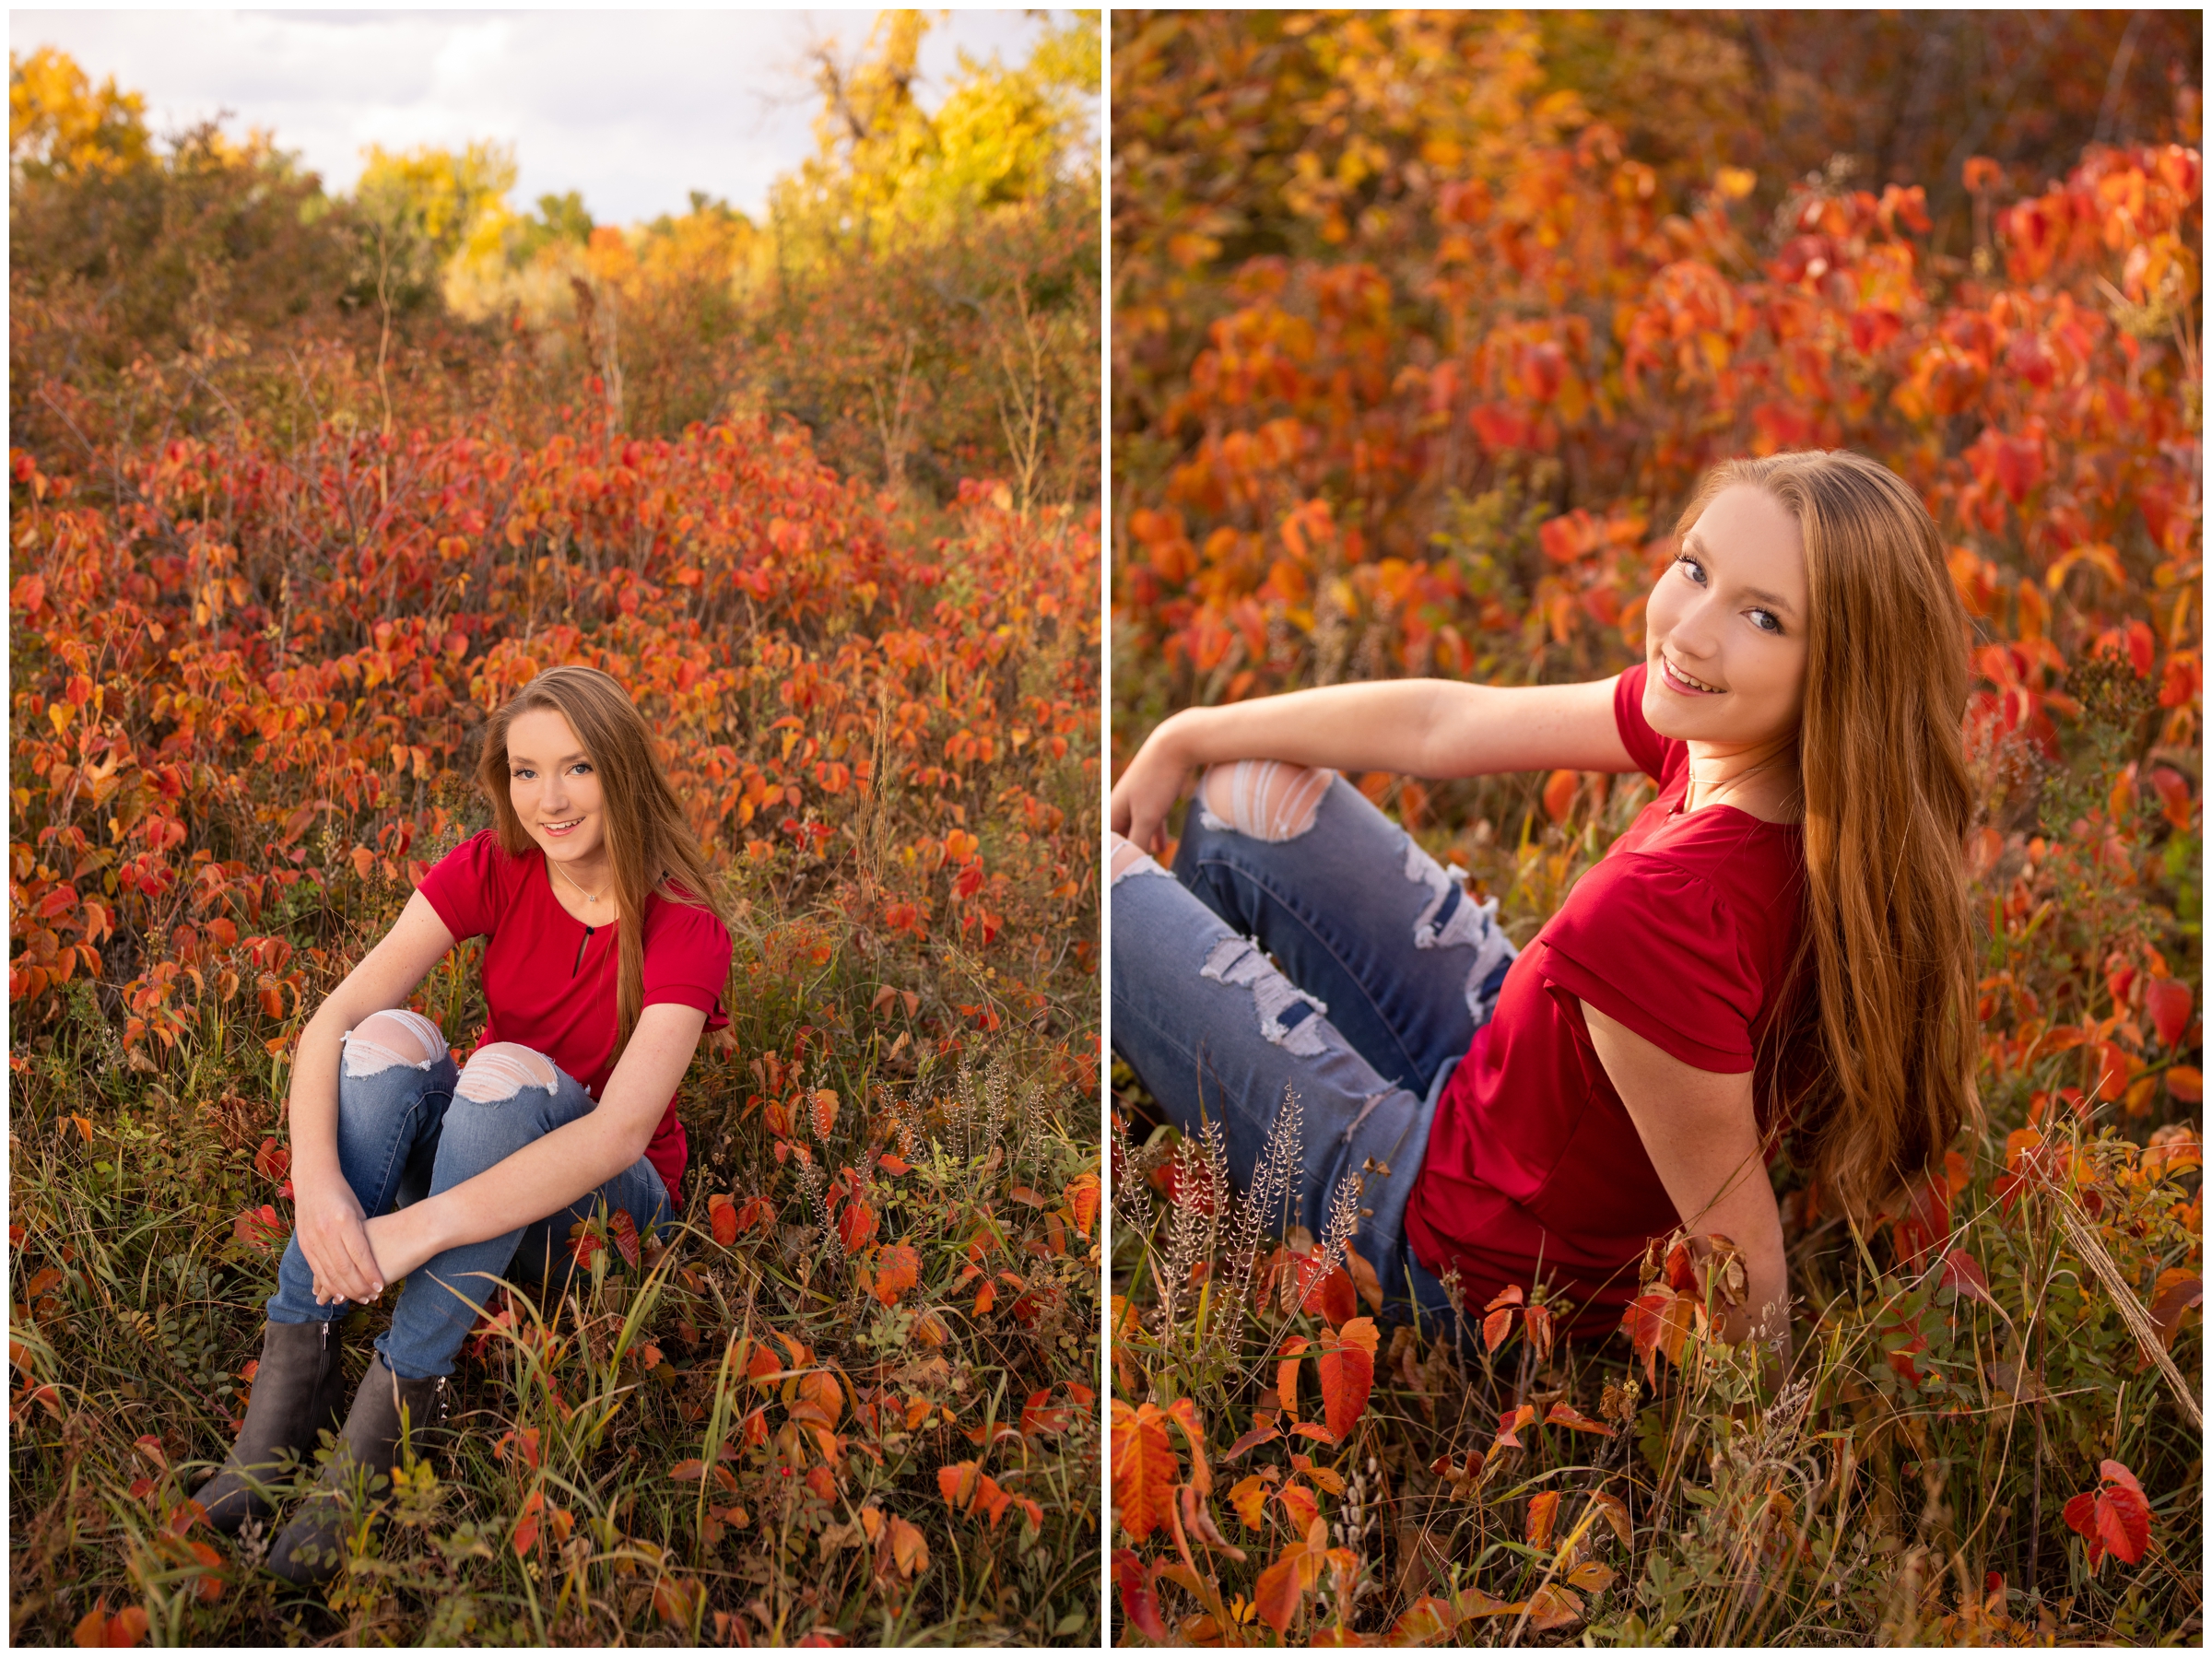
(1781, 936)
(604, 957)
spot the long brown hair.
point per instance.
(649, 844)
(1882, 1010)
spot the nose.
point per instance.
(1695, 632)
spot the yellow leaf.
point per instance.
(1249, 1496)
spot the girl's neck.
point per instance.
(1760, 780)
(575, 884)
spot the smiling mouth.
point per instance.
(1687, 683)
(561, 827)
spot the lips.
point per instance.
(557, 830)
(1678, 681)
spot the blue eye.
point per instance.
(1691, 567)
(1766, 621)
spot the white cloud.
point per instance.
(633, 110)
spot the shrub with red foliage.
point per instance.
(248, 680)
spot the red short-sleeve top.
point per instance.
(549, 980)
(1686, 930)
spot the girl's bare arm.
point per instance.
(1417, 727)
(1698, 1128)
(332, 1228)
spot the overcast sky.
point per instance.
(632, 109)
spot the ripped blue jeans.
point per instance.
(411, 1124)
(1387, 968)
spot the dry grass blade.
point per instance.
(2083, 1236)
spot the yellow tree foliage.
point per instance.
(58, 122)
(887, 173)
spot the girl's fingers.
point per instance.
(361, 1262)
(337, 1275)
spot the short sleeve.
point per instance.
(1654, 947)
(1650, 750)
(464, 888)
(686, 959)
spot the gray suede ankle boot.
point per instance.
(299, 1390)
(390, 1417)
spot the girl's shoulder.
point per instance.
(673, 914)
(475, 883)
(685, 943)
(1713, 892)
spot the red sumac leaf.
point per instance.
(624, 1230)
(2168, 1001)
(855, 1225)
(1347, 1373)
(1282, 1589)
(1141, 1605)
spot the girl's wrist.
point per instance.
(406, 1238)
(1176, 736)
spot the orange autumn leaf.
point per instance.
(1144, 1468)
(1347, 1373)
(1543, 1512)
(721, 1215)
(898, 1269)
(1081, 1196)
(1282, 1587)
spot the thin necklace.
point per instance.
(588, 897)
(1729, 782)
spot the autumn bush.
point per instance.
(1417, 357)
(922, 294)
(852, 1398)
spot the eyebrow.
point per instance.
(1693, 542)
(516, 758)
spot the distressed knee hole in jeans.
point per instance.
(1288, 1017)
(397, 1037)
(502, 1070)
(1264, 799)
(1127, 858)
(1452, 920)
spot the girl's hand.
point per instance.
(333, 1235)
(1149, 787)
(407, 1237)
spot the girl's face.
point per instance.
(554, 788)
(1724, 632)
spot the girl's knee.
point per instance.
(396, 1036)
(1288, 1016)
(504, 1069)
(1129, 858)
(1262, 799)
